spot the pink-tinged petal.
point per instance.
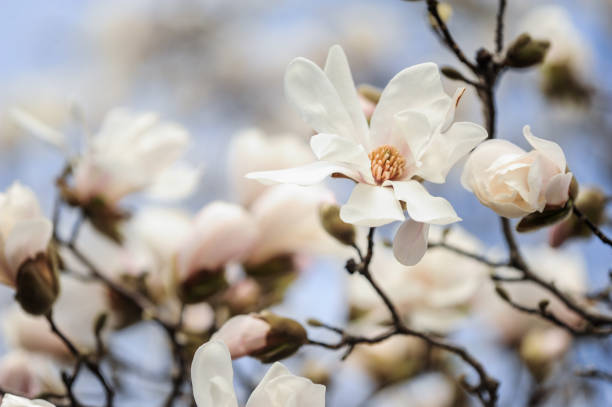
(557, 191)
(339, 73)
(243, 334)
(339, 150)
(315, 97)
(422, 206)
(417, 88)
(535, 182)
(305, 175)
(445, 149)
(410, 242)
(212, 376)
(27, 239)
(280, 388)
(548, 148)
(371, 205)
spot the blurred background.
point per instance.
(217, 66)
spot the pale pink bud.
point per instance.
(243, 335)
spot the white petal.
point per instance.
(339, 73)
(212, 376)
(176, 182)
(308, 174)
(9, 400)
(27, 239)
(416, 88)
(557, 191)
(422, 206)
(280, 388)
(483, 157)
(339, 150)
(39, 129)
(410, 242)
(371, 205)
(310, 91)
(450, 114)
(550, 149)
(410, 133)
(447, 148)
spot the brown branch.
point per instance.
(499, 27)
(592, 373)
(596, 231)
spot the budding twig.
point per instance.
(596, 231)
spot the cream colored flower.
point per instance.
(410, 137)
(9, 400)
(515, 183)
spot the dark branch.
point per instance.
(499, 27)
(596, 231)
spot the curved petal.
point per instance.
(212, 376)
(371, 205)
(9, 400)
(410, 242)
(280, 388)
(548, 148)
(39, 129)
(445, 149)
(410, 133)
(315, 97)
(339, 73)
(483, 157)
(416, 88)
(557, 191)
(421, 206)
(339, 150)
(308, 174)
(175, 183)
(27, 239)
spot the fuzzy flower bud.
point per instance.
(541, 348)
(526, 52)
(330, 219)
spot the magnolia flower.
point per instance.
(28, 374)
(212, 377)
(410, 137)
(131, 152)
(243, 335)
(515, 183)
(435, 294)
(9, 400)
(24, 230)
(541, 348)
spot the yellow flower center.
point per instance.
(386, 163)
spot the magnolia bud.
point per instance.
(549, 216)
(264, 336)
(243, 296)
(202, 285)
(592, 203)
(330, 219)
(37, 284)
(525, 52)
(451, 73)
(539, 350)
(561, 83)
(445, 11)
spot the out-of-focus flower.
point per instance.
(26, 263)
(253, 150)
(541, 348)
(212, 378)
(514, 182)
(409, 138)
(221, 233)
(265, 336)
(78, 305)
(243, 296)
(198, 318)
(28, 374)
(435, 294)
(566, 271)
(566, 69)
(592, 203)
(9, 400)
(427, 390)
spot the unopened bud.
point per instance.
(201, 285)
(451, 73)
(286, 336)
(549, 216)
(37, 284)
(330, 219)
(539, 349)
(525, 52)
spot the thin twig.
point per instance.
(499, 27)
(596, 231)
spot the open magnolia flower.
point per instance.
(212, 377)
(515, 183)
(411, 138)
(9, 400)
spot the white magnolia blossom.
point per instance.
(9, 400)
(212, 377)
(514, 182)
(24, 230)
(432, 295)
(410, 137)
(253, 150)
(565, 270)
(131, 152)
(567, 44)
(29, 374)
